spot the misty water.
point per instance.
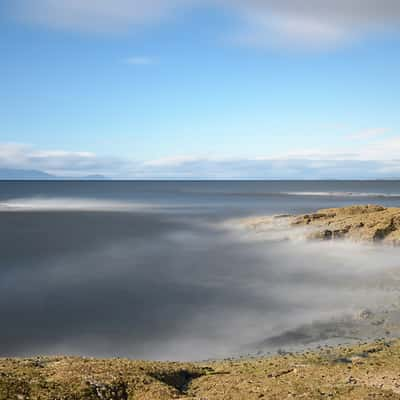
(160, 270)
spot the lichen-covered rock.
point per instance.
(361, 223)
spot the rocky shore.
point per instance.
(361, 223)
(364, 371)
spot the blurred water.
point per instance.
(150, 270)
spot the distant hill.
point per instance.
(9, 174)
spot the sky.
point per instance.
(271, 89)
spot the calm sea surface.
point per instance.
(152, 269)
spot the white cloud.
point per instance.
(368, 133)
(301, 24)
(94, 15)
(171, 161)
(62, 163)
(379, 159)
(294, 31)
(374, 160)
(269, 169)
(314, 23)
(139, 60)
(385, 150)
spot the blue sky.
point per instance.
(190, 89)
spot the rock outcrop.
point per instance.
(360, 223)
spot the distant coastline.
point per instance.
(7, 174)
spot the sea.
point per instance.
(163, 270)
